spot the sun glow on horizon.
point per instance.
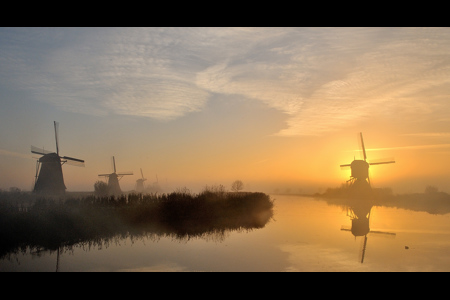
(198, 106)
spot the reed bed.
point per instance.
(28, 221)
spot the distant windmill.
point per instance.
(113, 179)
(140, 183)
(49, 177)
(360, 169)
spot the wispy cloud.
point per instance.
(14, 154)
(411, 147)
(323, 79)
(428, 134)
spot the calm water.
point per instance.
(304, 235)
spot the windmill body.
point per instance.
(49, 176)
(359, 177)
(113, 180)
(360, 169)
(140, 183)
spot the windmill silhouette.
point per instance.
(359, 214)
(359, 177)
(49, 177)
(140, 183)
(113, 179)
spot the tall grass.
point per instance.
(34, 222)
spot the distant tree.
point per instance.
(101, 188)
(431, 190)
(216, 189)
(237, 186)
(14, 189)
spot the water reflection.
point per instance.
(359, 212)
(304, 235)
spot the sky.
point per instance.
(279, 108)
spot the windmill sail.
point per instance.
(72, 161)
(40, 151)
(362, 145)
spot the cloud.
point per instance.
(14, 154)
(331, 78)
(106, 71)
(161, 100)
(323, 79)
(411, 147)
(428, 134)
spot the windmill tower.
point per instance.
(113, 179)
(49, 177)
(140, 183)
(360, 169)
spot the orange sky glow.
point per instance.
(278, 108)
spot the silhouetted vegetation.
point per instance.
(101, 188)
(237, 185)
(36, 223)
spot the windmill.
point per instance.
(359, 214)
(113, 179)
(140, 183)
(49, 177)
(360, 169)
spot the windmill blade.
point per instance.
(364, 247)
(383, 232)
(104, 174)
(56, 124)
(40, 151)
(73, 161)
(362, 145)
(142, 174)
(124, 173)
(114, 164)
(381, 163)
(345, 228)
(71, 158)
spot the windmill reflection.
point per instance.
(359, 212)
(360, 197)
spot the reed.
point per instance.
(34, 222)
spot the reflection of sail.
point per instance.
(57, 260)
(359, 213)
